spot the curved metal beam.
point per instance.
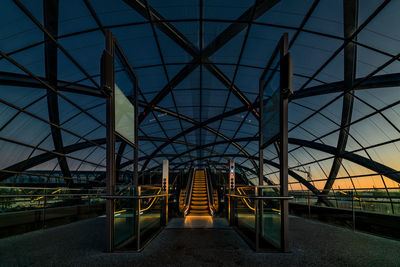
(50, 10)
(355, 158)
(379, 81)
(197, 126)
(44, 157)
(350, 19)
(360, 160)
(276, 165)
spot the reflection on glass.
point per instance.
(271, 217)
(271, 117)
(124, 219)
(271, 222)
(245, 213)
(271, 105)
(124, 116)
(150, 218)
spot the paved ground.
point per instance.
(312, 243)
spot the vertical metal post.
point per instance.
(261, 212)
(285, 82)
(309, 208)
(137, 213)
(352, 210)
(260, 132)
(231, 211)
(165, 187)
(108, 89)
(257, 219)
(44, 210)
(136, 153)
(260, 157)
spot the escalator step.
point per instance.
(199, 208)
(199, 202)
(205, 213)
(199, 198)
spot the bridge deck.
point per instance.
(312, 243)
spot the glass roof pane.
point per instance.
(175, 9)
(73, 17)
(115, 12)
(199, 95)
(17, 30)
(232, 10)
(327, 18)
(380, 33)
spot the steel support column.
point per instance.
(285, 87)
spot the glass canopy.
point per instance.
(198, 64)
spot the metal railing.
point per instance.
(382, 201)
(255, 212)
(138, 217)
(24, 209)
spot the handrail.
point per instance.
(259, 197)
(188, 186)
(345, 196)
(189, 192)
(174, 182)
(149, 186)
(52, 195)
(133, 197)
(244, 199)
(152, 202)
(209, 193)
(244, 186)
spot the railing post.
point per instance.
(44, 210)
(137, 211)
(165, 210)
(309, 208)
(353, 211)
(231, 211)
(257, 219)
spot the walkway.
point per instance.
(186, 244)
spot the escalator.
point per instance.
(199, 204)
(199, 198)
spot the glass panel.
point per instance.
(124, 116)
(125, 218)
(150, 218)
(245, 213)
(271, 221)
(124, 88)
(271, 104)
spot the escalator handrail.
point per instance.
(245, 200)
(189, 189)
(152, 202)
(188, 185)
(210, 195)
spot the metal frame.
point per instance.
(108, 87)
(166, 26)
(286, 77)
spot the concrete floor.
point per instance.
(312, 244)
